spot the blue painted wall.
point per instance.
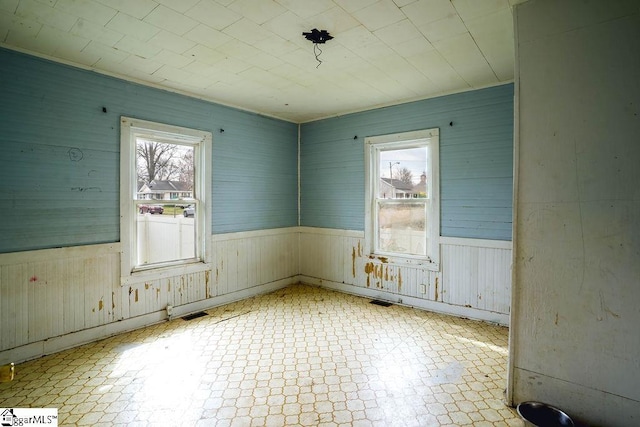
(59, 155)
(476, 162)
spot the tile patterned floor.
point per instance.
(299, 356)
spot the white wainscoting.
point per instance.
(54, 299)
(474, 279)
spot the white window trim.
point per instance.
(129, 129)
(372, 146)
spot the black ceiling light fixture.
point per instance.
(317, 37)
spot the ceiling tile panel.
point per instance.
(232, 65)
(172, 42)
(204, 55)
(424, 11)
(465, 57)
(288, 26)
(177, 75)
(470, 9)
(402, 3)
(201, 69)
(19, 27)
(379, 15)
(301, 58)
(247, 31)
(105, 53)
(385, 84)
(44, 14)
(138, 75)
(399, 32)
(375, 51)
(99, 33)
(450, 26)
(438, 70)
(207, 36)
(264, 61)
(274, 45)
(9, 5)
(494, 35)
(354, 5)
(117, 68)
(79, 57)
(173, 59)
(266, 79)
(30, 43)
(412, 47)
(357, 38)
(307, 9)
(237, 49)
(170, 20)
(138, 8)
(129, 25)
(337, 58)
(89, 10)
(334, 20)
(145, 66)
(60, 40)
(179, 5)
(413, 79)
(136, 47)
(258, 11)
(213, 14)
(179, 85)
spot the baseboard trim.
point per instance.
(435, 306)
(56, 344)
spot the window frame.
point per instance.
(373, 146)
(130, 129)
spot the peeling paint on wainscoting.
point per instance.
(353, 261)
(207, 276)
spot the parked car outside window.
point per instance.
(189, 211)
(152, 209)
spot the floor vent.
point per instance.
(194, 315)
(381, 303)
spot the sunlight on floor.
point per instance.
(299, 356)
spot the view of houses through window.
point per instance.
(165, 185)
(401, 206)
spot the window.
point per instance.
(157, 232)
(402, 220)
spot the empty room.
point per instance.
(322, 213)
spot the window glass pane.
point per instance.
(403, 173)
(164, 170)
(165, 233)
(402, 228)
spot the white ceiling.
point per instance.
(251, 53)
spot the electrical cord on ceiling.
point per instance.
(316, 48)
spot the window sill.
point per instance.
(164, 272)
(400, 261)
